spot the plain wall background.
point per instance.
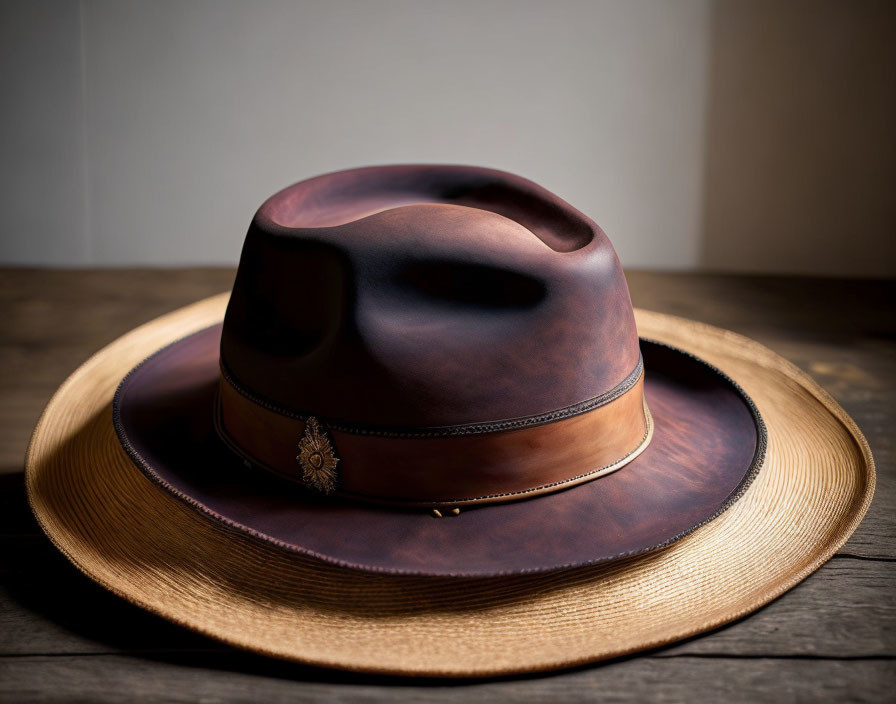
(740, 136)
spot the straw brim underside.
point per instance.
(152, 549)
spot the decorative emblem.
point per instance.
(317, 458)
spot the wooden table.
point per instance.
(829, 639)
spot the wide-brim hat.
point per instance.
(749, 477)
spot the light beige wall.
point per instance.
(148, 133)
(196, 111)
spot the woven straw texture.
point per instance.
(150, 548)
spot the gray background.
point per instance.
(734, 136)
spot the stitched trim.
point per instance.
(447, 430)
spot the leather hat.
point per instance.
(411, 342)
(430, 436)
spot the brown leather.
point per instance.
(417, 311)
(422, 296)
(440, 468)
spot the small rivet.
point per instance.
(436, 513)
(455, 511)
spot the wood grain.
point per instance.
(218, 677)
(62, 637)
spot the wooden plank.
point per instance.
(218, 677)
(54, 320)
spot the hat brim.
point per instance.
(810, 493)
(707, 442)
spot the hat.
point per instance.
(429, 435)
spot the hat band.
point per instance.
(438, 467)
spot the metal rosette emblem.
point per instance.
(317, 458)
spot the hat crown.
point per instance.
(426, 296)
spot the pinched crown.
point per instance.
(426, 296)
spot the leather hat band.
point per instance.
(446, 467)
